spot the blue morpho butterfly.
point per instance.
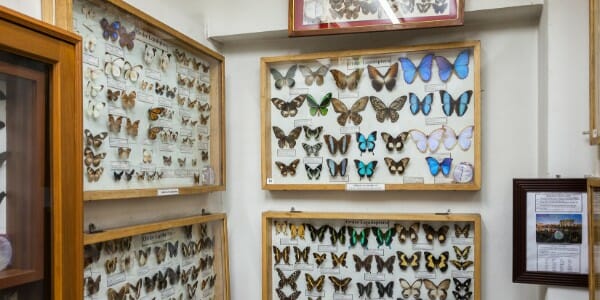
(458, 105)
(435, 166)
(423, 105)
(365, 170)
(460, 66)
(366, 144)
(336, 169)
(411, 71)
(110, 30)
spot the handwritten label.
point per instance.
(342, 296)
(167, 192)
(374, 277)
(442, 180)
(164, 103)
(462, 274)
(373, 252)
(436, 121)
(185, 132)
(288, 241)
(378, 61)
(313, 160)
(331, 271)
(202, 146)
(286, 152)
(434, 87)
(91, 60)
(351, 63)
(327, 248)
(115, 142)
(413, 180)
(116, 278)
(145, 98)
(114, 50)
(142, 271)
(339, 179)
(202, 129)
(117, 111)
(120, 165)
(424, 275)
(314, 293)
(304, 267)
(365, 187)
(462, 241)
(422, 247)
(152, 74)
(343, 94)
(298, 91)
(302, 122)
(285, 267)
(166, 147)
(367, 223)
(349, 129)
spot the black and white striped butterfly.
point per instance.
(312, 149)
(313, 173)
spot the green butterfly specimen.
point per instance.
(384, 237)
(321, 108)
(356, 237)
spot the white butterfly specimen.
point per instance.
(463, 139)
(424, 141)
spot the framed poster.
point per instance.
(550, 232)
(153, 106)
(318, 17)
(372, 256)
(405, 118)
(594, 132)
(178, 259)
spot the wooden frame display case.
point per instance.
(178, 259)
(40, 181)
(405, 118)
(549, 231)
(593, 190)
(594, 11)
(313, 17)
(154, 106)
(355, 255)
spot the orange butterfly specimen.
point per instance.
(132, 127)
(155, 112)
(153, 132)
(114, 124)
(94, 174)
(91, 158)
(128, 99)
(113, 95)
(343, 81)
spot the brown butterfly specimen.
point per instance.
(181, 57)
(406, 261)
(91, 254)
(195, 161)
(196, 178)
(185, 120)
(311, 76)
(204, 119)
(167, 160)
(192, 104)
(141, 175)
(287, 169)
(439, 291)
(396, 167)
(128, 99)
(155, 112)
(191, 290)
(462, 265)
(387, 264)
(181, 100)
(132, 127)
(124, 152)
(462, 231)
(94, 140)
(120, 295)
(185, 275)
(193, 123)
(113, 95)
(204, 107)
(290, 139)
(136, 289)
(351, 114)
(142, 256)
(339, 260)
(153, 132)
(340, 285)
(147, 86)
(319, 258)
(92, 159)
(289, 109)
(125, 263)
(405, 233)
(203, 88)
(293, 296)
(204, 155)
(160, 253)
(110, 265)
(114, 124)
(378, 81)
(343, 81)
(181, 161)
(383, 112)
(92, 285)
(394, 143)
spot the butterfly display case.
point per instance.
(593, 189)
(317, 17)
(178, 259)
(153, 106)
(371, 256)
(405, 118)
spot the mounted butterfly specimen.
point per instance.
(312, 133)
(384, 238)
(313, 173)
(362, 264)
(384, 290)
(440, 262)
(459, 286)
(411, 71)
(128, 100)
(458, 105)
(356, 237)
(311, 76)
(378, 81)
(431, 233)
(94, 108)
(412, 261)
(297, 231)
(462, 265)
(411, 232)
(351, 114)
(113, 66)
(287, 80)
(301, 255)
(396, 167)
(462, 254)
(289, 140)
(366, 144)
(463, 139)
(334, 145)
(312, 149)
(281, 255)
(464, 231)
(94, 140)
(437, 292)
(458, 296)
(289, 109)
(431, 141)
(411, 291)
(365, 170)
(423, 6)
(110, 30)
(460, 67)
(92, 89)
(343, 81)
(113, 95)
(337, 236)
(423, 105)
(336, 169)
(314, 284)
(291, 280)
(394, 143)
(283, 296)
(340, 285)
(92, 285)
(126, 39)
(317, 233)
(286, 169)
(364, 289)
(383, 112)
(318, 108)
(94, 174)
(435, 166)
(91, 159)
(387, 264)
(439, 6)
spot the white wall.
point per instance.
(32, 8)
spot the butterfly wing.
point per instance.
(340, 108)
(434, 165)
(461, 64)
(446, 166)
(444, 68)
(435, 138)
(377, 80)
(420, 139)
(464, 137)
(409, 69)
(450, 138)
(291, 138)
(463, 103)
(424, 68)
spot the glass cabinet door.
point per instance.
(25, 204)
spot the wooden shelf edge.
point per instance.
(15, 277)
(142, 193)
(117, 233)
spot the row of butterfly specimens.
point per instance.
(389, 117)
(179, 263)
(147, 105)
(374, 259)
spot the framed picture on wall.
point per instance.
(550, 232)
(594, 72)
(316, 17)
